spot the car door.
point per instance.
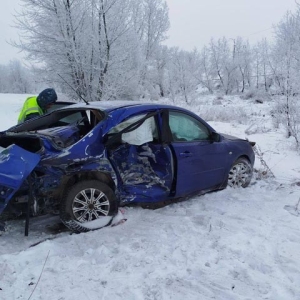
(199, 161)
(142, 163)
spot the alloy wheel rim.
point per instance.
(89, 205)
(238, 175)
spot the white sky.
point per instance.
(193, 22)
(7, 9)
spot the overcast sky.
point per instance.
(193, 22)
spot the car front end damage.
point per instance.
(47, 163)
(16, 164)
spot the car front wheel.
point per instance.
(240, 173)
(88, 205)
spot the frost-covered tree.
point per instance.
(287, 48)
(4, 84)
(16, 78)
(265, 71)
(222, 63)
(151, 23)
(206, 70)
(98, 47)
(242, 61)
(182, 74)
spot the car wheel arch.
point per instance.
(244, 157)
(69, 180)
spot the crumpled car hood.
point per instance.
(15, 166)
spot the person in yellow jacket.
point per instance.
(37, 105)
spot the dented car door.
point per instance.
(142, 162)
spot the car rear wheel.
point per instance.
(240, 173)
(88, 205)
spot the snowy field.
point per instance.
(228, 245)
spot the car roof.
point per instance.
(113, 105)
(107, 105)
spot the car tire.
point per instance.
(240, 173)
(87, 201)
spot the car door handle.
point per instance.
(185, 154)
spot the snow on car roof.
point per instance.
(106, 105)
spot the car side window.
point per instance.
(186, 128)
(72, 118)
(146, 132)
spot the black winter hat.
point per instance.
(46, 97)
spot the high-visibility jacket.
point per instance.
(30, 107)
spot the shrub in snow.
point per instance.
(286, 111)
(224, 114)
(257, 128)
(255, 94)
(248, 95)
(264, 171)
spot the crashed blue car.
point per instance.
(83, 161)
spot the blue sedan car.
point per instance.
(86, 160)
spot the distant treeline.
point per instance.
(110, 49)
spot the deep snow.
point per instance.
(231, 244)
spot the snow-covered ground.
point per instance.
(227, 245)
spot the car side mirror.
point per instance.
(215, 137)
